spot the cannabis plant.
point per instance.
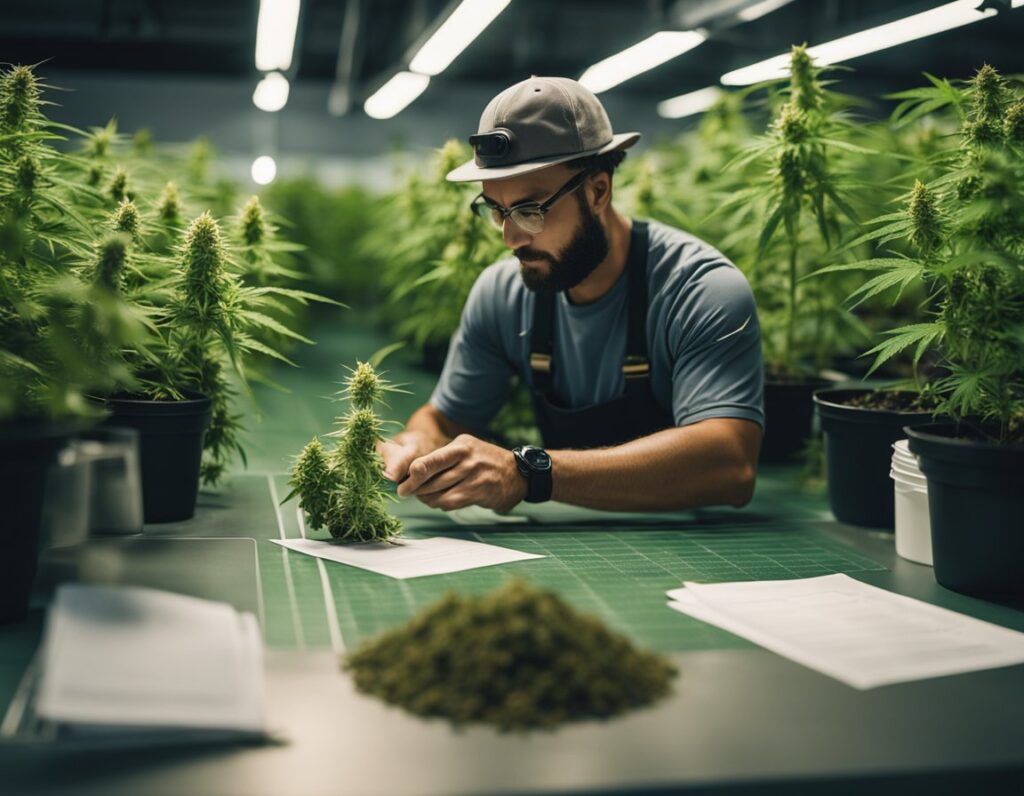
(800, 203)
(343, 490)
(965, 231)
(52, 321)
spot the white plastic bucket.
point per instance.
(913, 521)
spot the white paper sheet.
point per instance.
(859, 634)
(411, 558)
(119, 657)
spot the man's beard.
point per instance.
(574, 263)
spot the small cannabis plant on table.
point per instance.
(344, 490)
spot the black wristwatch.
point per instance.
(535, 466)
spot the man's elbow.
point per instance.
(742, 481)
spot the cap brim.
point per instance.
(470, 172)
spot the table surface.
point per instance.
(739, 717)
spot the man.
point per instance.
(639, 342)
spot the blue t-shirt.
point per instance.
(703, 340)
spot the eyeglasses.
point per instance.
(528, 216)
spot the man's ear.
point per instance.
(599, 190)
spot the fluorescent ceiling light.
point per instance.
(271, 92)
(394, 95)
(758, 10)
(455, 34)
(917, 26)
(651, 52)
(689, 104)
(264, 169)
(275, 34)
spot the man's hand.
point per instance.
(465, 472)
(398, 454)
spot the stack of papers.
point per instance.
(859, 634)
(131, 662)
(410, 558)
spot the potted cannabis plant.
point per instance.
(860, 425)
(965, 234)
(207, 328)
(57, 325)
(799, 203)
(344, 490)
(974, 265)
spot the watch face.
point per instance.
(537, 458)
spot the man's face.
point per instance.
(571, 245)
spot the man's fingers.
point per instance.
(444, 480)
(426, 467)
(397, 459)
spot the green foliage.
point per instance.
(802, 197)
(61, 320)
(965, 233)
(344, 490)
(332, 226)
(518, 658)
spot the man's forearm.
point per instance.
(703, 464)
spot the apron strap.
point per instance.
(636, 365)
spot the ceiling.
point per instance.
(216, 38)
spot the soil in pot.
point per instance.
(860, 426)
(26, 452)
(170, 450)
(976, 502)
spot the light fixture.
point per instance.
(264, 169)
(275, 34)
(455, 34)
(394, 95)
(689, 104)
(271, 92)
(917, 26)
(652, 51)
(758, 10)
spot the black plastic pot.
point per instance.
(26, 452)
(170, 450)
(976, 501)
(858, 454)
(788, 418)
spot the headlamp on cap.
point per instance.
(492, 147)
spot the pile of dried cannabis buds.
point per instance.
(518, 658)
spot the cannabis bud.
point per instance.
(793, 124)
(118, 188)
(453, 153)
(26, 171)
(142, 141)
(19, 98)
(803, 77)
(926, 233)
(254, 228)
(791, 171)
(168, 206)
(205, 285)
(112, 255)
(1013, 124)
(315, 481)
(126, 219)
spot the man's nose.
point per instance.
(514, 235)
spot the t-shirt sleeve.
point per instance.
(476, 379)
(714, 340)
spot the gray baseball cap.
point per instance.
(537, 123)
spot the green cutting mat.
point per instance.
(620, 574)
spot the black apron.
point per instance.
(633, 414)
